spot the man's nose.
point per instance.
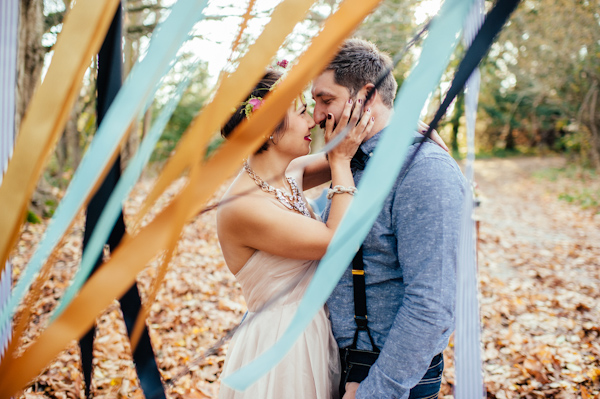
(319, 114)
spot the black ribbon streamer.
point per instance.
(110, 77)
(492, 25)
(482, 42)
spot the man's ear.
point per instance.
(369, 90)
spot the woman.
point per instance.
(270, 239)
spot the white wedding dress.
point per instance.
(310, 370)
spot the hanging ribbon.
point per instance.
(9, 31)
(200, 137)
(108, 83)
(83, 30)
(467, 349)
(479, 47)
(129, 178)
(9, 40)
(115, 276)
(139, 85)
(242, 29)
(378, 179)
(467, 340)
(232, 91)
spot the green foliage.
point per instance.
(497, 152)
(32, 218)
(191, 102)
(575, 184)
(535, 78)
(585, 198)
(214, 145)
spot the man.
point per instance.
(410, 253)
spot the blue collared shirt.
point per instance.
(410, 258)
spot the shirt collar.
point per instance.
(369, 146)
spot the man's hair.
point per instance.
(359, 62)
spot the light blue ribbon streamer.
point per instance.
(114, 205)
(467, 341)
(9, 32)
(378, 179)
(139, 86)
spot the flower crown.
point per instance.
(254, 103)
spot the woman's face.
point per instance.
(295, 140)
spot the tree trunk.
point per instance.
(30, 63)
(30, 57)
(510, 140)
(593, 124)
(133, 19)
(459, 109)
(71, 137)
(131, 54)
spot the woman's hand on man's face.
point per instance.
(360, 124)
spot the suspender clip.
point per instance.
(361, 322)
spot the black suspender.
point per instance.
(357, 362)
(358, 267)
(360, 299)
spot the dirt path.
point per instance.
(540, 284)
(539, 281)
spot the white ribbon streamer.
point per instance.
(467, 351)
(9, 30)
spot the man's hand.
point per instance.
(351, 388)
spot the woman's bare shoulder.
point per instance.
(242, 204)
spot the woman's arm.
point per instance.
(316, 170)
(263, 224)
(316, 166)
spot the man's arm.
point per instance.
(426, 218)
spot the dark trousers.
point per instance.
(428, 387)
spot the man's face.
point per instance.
(330, 98)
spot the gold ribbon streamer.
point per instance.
(82, 34)
(140, 321)
(243, 27)
(232, 91)
(35, 291)
(23, 319)
(166, 177)
(116, 276)
(163, 268)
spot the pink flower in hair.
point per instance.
(283, 63)
(251, 105)
(255, 103)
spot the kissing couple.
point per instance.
(382, 331)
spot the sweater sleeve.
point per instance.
(426, 213)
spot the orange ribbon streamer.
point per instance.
(232, 91)
(276, 34)
(116, 276)
(82, 34)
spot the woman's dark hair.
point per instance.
(262, 89)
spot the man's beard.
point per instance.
(324, 121)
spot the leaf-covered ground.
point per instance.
(538, 259)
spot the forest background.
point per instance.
(538, 151)
(539, 90)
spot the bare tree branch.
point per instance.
(141, 29)
(152, 7)
(53, 19)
